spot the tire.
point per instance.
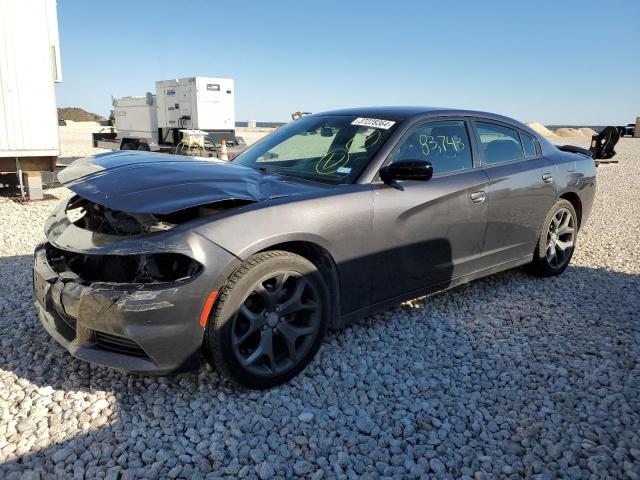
(129, 146)
(144, 147)
(560, 229)
(276, 301)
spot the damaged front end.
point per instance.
(125, 274)
(126, 290)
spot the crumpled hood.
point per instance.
(145, 182)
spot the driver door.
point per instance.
(427, 233)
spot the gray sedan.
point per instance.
(158, 259)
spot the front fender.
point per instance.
(268, 242)
(341, 224)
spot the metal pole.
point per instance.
(19, 170)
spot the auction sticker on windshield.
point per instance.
(373, 122)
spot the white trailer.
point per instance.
(202, 103)
(158, 122)
(136, 118)
(29, 69)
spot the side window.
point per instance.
(528, 144)
(499, 144)
(444, 144)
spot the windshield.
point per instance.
(328, 149)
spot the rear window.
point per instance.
(529, 145)
(499, 144)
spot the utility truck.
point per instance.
(184, 115)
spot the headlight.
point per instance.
(148, 268)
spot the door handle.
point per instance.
(478, 197)
(547, 178)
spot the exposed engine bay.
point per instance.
(96, 218)
(100, 219)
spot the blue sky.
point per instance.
(557, 62)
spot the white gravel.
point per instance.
(510, 376)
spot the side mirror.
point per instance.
(406, 170)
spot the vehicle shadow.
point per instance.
(146, 426)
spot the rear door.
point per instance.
(521, 190)
(427, 232)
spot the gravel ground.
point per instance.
(510, 376)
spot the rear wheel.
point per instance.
(269, 320)
(129, 146)
(557, 240)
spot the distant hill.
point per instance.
(78, 115)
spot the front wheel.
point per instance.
(557, 240)
(269, 320)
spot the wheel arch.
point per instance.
(325, 263)
(575, 200)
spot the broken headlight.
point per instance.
(147, 268)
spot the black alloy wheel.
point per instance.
(269, 320)
(277, 323)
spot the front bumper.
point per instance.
(148, 329)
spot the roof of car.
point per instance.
(399, 113)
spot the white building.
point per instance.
(29, 69)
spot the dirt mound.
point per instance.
(588, 132)
(569, 132)
(78, 115)
(541, 129)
